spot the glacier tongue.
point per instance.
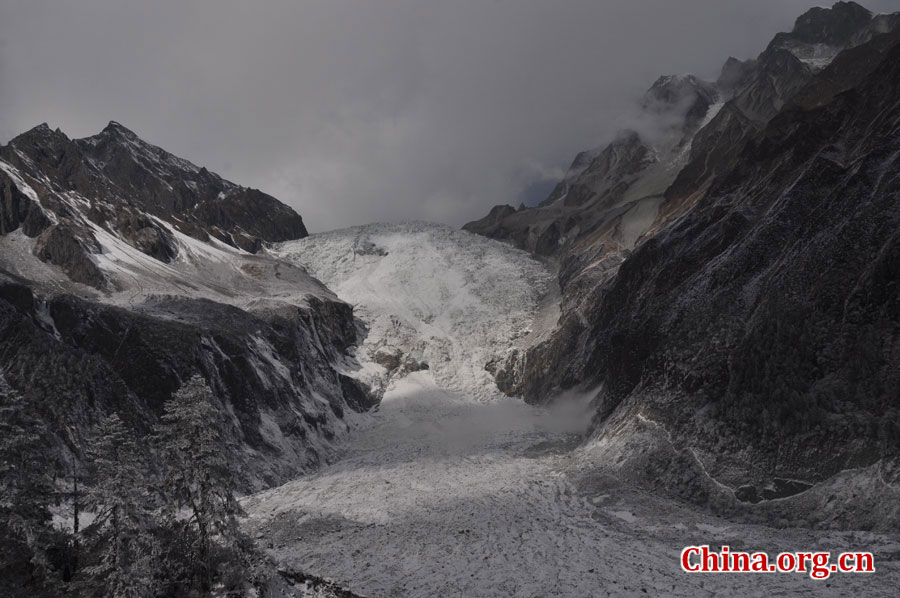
(428, 294)
(448, 489)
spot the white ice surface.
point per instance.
(440, 496)
(445, 496)
(445, 296)
(448, 490)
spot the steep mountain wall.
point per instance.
(124, 270)
(752, 331)
(773, 302)
(273, 371)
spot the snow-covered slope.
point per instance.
(125, 270)
(201, 270)
(208, 269)
(428, 294)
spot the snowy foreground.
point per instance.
(449, 490)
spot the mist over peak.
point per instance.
(376, 111)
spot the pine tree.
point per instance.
(124, 524)
(199, 481)
(26, 488)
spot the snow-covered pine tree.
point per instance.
(199, 481)
(124, 528)
(26, 491)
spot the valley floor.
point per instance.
(453, 493)
(439, 495)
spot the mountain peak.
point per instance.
(685, 97)
(117, 128)
(131, 185)
(40, 135)
(735, 73)
(833, 25)
(670, 90)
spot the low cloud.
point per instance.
(354, 112)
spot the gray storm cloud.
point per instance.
(353, 112)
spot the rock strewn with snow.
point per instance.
(276, 372)
(124, 270)
(740, 314)
(759, 322)
(135, 191)
(441, 495)
(427, 293)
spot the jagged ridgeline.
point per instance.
(728, 270)
(733, 278)
(125, 270)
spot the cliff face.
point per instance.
(124, 270)
(752, 331)
(777, 291)
(691, 130)
(272, 371)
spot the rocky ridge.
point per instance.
(749, 330)
(131, 189)
(124, 270)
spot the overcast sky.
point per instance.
(371, 110)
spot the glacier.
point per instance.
(450, 488)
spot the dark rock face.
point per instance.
(145, 235)
(579, 165)
(59, 246)
(83, 360)
(735, 74)
(274, 363)
(769, 313)
(821, 33)
(833, 26)
(578, 211)
(16, 210)
(600, 210)
(756, 319)
(765, 85)
(121, 183)
(177, 187)
(847, 70)
(685, 95)
(507, 372)
(610, 173)
(494, 218)
(600, 189)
